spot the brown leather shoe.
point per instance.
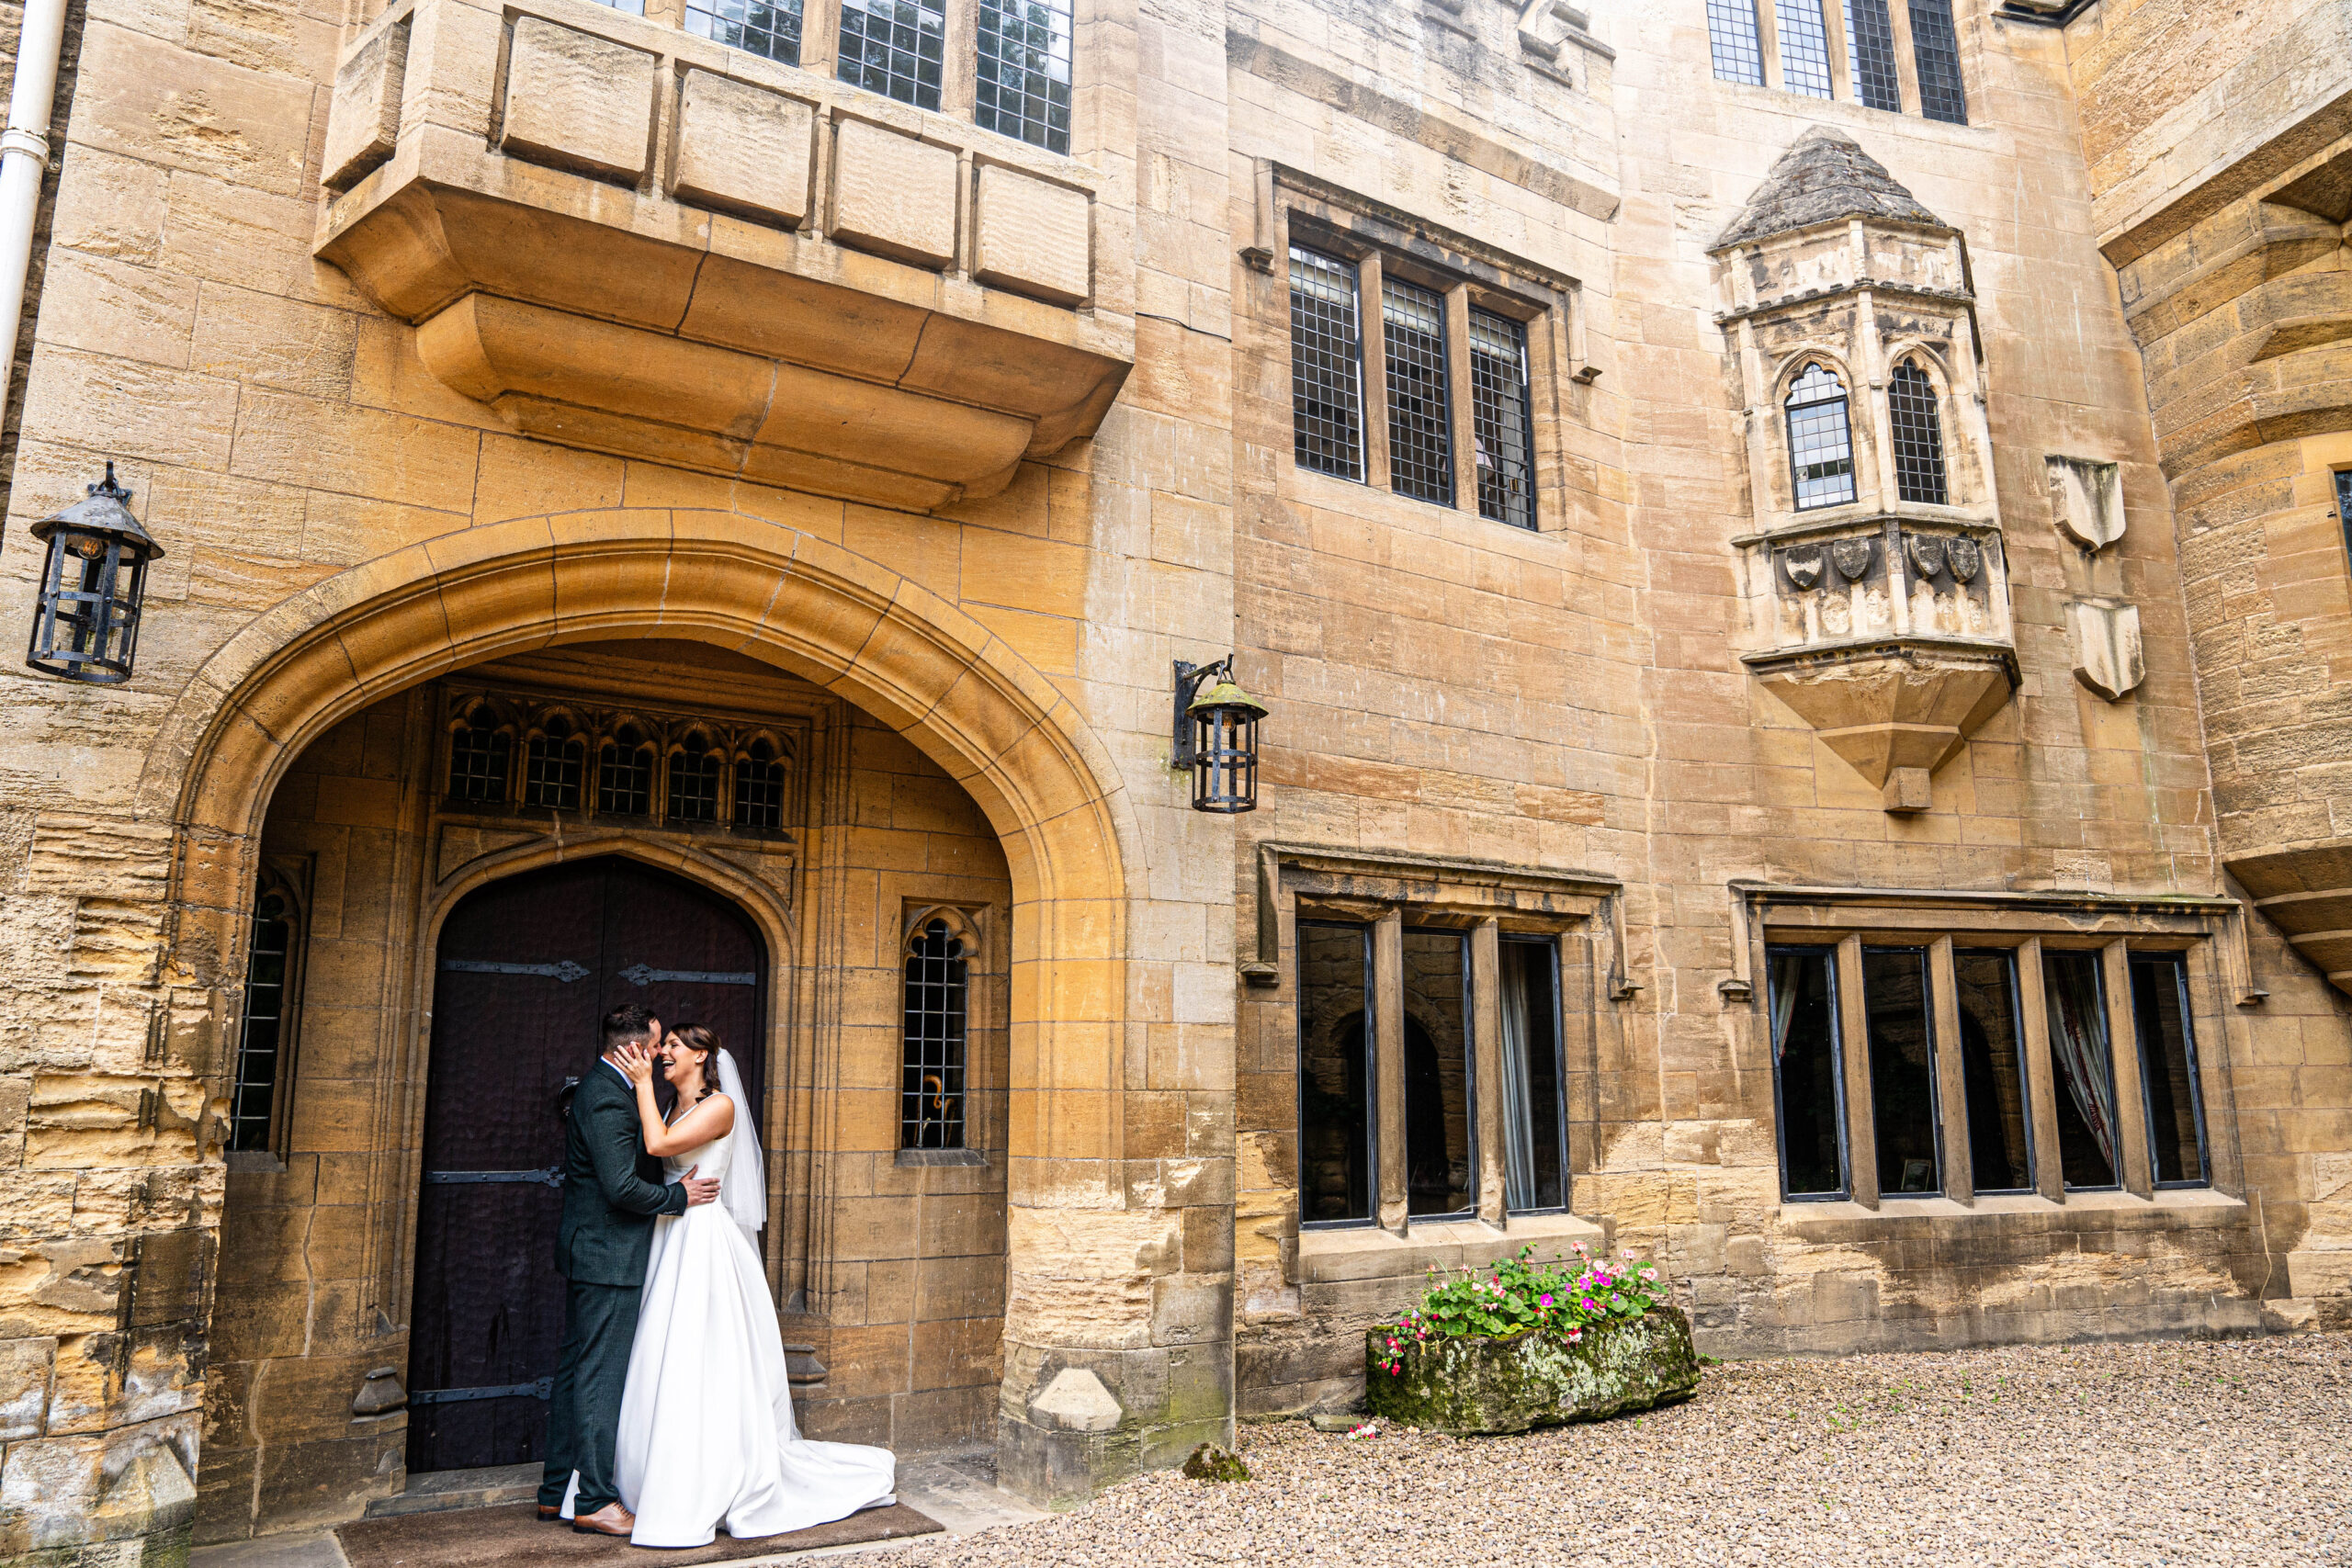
(610, 1519)
(549, 1512)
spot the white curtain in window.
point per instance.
(1518, 1114)
(1788, 978)
(2078, 1041)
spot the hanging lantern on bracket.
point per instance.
(1216, 736)
(93, 583)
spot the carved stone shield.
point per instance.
(1852, 556)
(1926, 553)
(1802, 566)
(1965, 557)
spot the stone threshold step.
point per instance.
(437, 1490)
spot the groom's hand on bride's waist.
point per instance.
(699, 1189)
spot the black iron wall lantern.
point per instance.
(86, 626)
(1217, 736)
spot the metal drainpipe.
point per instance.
(24, 159)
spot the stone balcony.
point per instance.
(625, 238)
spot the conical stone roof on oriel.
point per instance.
(1824, 178)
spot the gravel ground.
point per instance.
(2237, 1452)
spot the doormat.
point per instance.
(511, 1536)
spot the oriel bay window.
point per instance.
(1416, 1101)
(1910, 1062)
(1436, 405)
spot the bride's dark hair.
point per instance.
(695, 1037)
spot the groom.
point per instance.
(612, 1189)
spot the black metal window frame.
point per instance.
(1502, 417)
(1935, 50)
(769, 29)
(896, 48)
(1917, 951)
(1327, 363)
(2178, 963)
(481, 760)
(1470, 1086)
(936, 1040)
(263, 1081)
(1870, 57)
(2009, 955)
(1022, 72)
(762, 781)
(1914, 416)
(1420, 404)
(1550, 944)
(1372, 1086)
(1735, 41)
(693, 781)
(2344, 511)
(555, 770)
(1845, 1191)
(1804, 48)
(625, 776)
(1820, 428)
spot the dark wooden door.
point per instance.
(526, 968)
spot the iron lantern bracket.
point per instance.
(1190, 678)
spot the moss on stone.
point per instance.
(1513, 1382)
(1209, 1463)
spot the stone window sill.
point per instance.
(942, 1156)
(2194, 1206)
(1326, 1256)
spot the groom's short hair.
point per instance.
(631, 1023)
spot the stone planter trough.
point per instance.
(1512, 1383)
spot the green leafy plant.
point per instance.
(1517, 1296)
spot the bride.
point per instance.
(707, 1434)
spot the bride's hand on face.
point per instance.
(635, 1062)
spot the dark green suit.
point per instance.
(612, 1191)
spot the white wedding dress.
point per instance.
(707, 1434)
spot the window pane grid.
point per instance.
(1804, 47)
(478, 759)
(551, 772)
(1919, 435)
(624, 780)
(1735, 42)
(1325, 400)
(757, 26)
(894, 48)
(1936, 46)
(1869, 50)
(1023, 73)
(1821, 448)
(694, 787)
(1420, 421)
(759, 793)
(251, 1101)
(1500, 422)
(931, 1090)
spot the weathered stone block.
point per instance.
(894, 195)
(1031, 236)
(742, 148)
(364, 123)
(578, 101)
(1513, 1382)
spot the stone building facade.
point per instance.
(1801, 659)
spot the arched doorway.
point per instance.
(525, 969)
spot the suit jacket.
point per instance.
(612, 1188)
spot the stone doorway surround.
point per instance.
(1085, 1246)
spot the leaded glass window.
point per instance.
(1821, 443)
(553, 764)
(759, 787)
(1919, 435)
(262, 1043)
(1499, 421)
(1420, 421)
(1869, 50)
(1326, 401)
(1022, 75)
(1935, 46)
(1804, 47)
(770, 29)
(2343, 506)
(1735, 42)
(894, 48)
(694, 783)
(931, 1095)
(625, 775)
(478, 758)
